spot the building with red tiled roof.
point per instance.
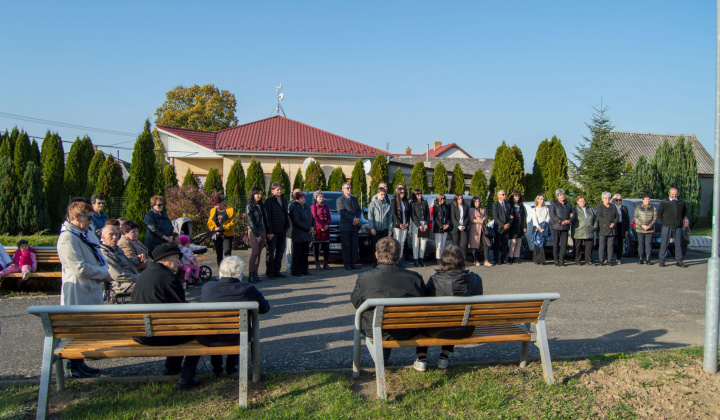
(268, 141)
(451, 150)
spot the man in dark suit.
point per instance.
(387, 280)
(229, 288)
(622, 227)
(350, 212)
(159, 283)
(672, 214)
(276, 208)
(503, 216)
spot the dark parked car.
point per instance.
(364, 242)
(630, 245)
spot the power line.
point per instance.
(68, 125)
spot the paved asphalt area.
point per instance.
(624, 308)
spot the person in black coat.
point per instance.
(503, 216)
(607, 217)
(442, 223)
(671, 214)
(420, 226)
(560, 215)
(387, 280)
(451, 279)
(460, 214)
(229, 287)
(401, 218)
(350, 212)
(158, 227)
(303, 227)
(622, 227)
(519, 226)
(278, 223)
(159, 283)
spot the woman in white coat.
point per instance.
(84, 270)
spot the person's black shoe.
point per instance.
(662, 264)
(417, 264)
(680, 264)
(557, 264)
(354, 267)
(231, 370)
(88, 369)
(516, 260)
(647, 262)
(640, 261)
(511, 261)
(217, 371)
(187, 384)
(257, 278)
(348, 268)
(422, 263)
(296, 274)
(77, 372)
(307, 273)
(270, 276)
(171, 372)
(603, 263)
(280, 275)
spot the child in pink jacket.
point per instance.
(23, 261)
(188, 259)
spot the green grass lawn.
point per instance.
(33, 240)
(482, 391)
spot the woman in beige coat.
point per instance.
(84, 270)
(476, 237)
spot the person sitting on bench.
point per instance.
(230, 287)
(159, 284)
(122, 270)
(387, 280)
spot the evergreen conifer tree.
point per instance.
(508, 171)
(235, 185)
(479, 187)
(5, 148)
(599, 163)
(23, 155)
(35, 153)
(110, 182)
(75, 170)
(642, 178)
(53, 158)
(536, 181)
(159, 180)
(170, 177)
(213, 182)
(299, 182)
(279, 175)
(418, 178)
(14, 134)
(556, 168)
(93, 173)
(440, 179)
(457, 186)
(492, 187)
(8, 197)
(359, 183)
(33, 214)
(144, 178)
(378, 173)
(398, 179)
(255, 177)
(190, 179)
(676, 167)
(315, 177)
(337, 178)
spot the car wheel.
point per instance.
(627, 248)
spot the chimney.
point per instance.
(408, 152)
(95, 148)
(438, 144)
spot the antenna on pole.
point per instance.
(280, 97)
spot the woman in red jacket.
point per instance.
(321, 213)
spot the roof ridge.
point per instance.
(337, 135)
(653, 134)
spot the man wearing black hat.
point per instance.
(159, 283)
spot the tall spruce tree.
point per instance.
(213, 181)
(508, 171)
(190, 179)
(255, 177)
(76, 170)
(299, 181)
(35, 153)
(599, 163)
(5, 148)
(235, 185)
(359, 183)
(315, 177)
(337, 178)
(23, 155)
(279, 175)
(378, 173)
(440, 179)
(676, 167)
(398, 179)
(642, 179)
(556, 168)
(479, 187)
(535, 182)
(457, 186)
(418, 178)
(142, 171)
(14, 135)
(492, 187)
(170, 177)
(8, 197)
(110, 182)
(33, 214)
(53, 157)
(93, 173)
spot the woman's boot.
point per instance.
(325, 265)
(251, 277)
(317, 265)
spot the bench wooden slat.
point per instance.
(460, 312)
(140, 321)
(427, 308)
(142, 334)
(133, 329)
(153, 315)
(40, 274)
(129, 348)
(451, 318)
(445, 324)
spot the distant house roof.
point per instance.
(436, 151)
(274, 134)
(125, 166)
(645, 144)
(468, 165)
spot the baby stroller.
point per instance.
(183, 226)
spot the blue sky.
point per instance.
(404, 73)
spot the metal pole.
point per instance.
(712, 298)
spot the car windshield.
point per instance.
(329, 198)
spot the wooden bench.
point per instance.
(496, 318)
(106, 331)
(43, 255)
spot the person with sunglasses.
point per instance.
(442, 221)
(621, 227)
(420, 226)
(401, 219)
(158, 227)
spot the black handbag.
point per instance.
(489, 233)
